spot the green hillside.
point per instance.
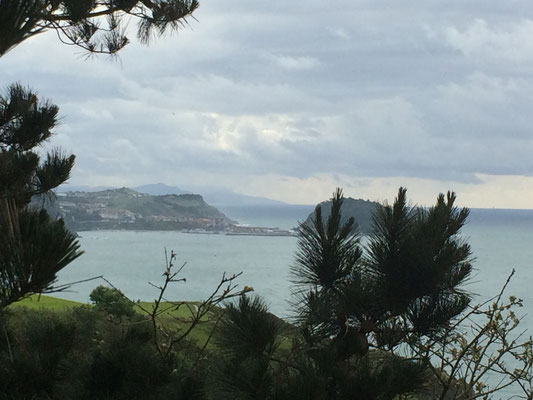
(360, 210)
(128, 209)
(40, 302)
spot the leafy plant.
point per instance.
(112, 301)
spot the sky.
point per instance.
(289, 100)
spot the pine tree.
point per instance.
(247, 339)
(357, 307)
(357, 304)
(93, 25)
(33, 246)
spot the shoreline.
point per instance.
(241, 231)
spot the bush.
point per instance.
(112, 301)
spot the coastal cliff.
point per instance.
(128, 209)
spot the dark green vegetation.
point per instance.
(356, 307)
(127, 209)
(360, 210)
(82, 354)
(95, 26)
(33, 246)
(112, 302)
(117, 309)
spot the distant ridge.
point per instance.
(218, 197)
(228, 198)
(159, 189)
(82, 188)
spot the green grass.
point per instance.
(37, 302)
(170, 311)
(172, 318)
(176, 319)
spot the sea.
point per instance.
(134, 261)
(501, 240)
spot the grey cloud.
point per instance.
(430, 90)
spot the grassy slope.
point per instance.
(37, 302)
(168, 319)
(168, 205)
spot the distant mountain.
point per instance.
(228, 198)
(129, 209)
(216, 196)
(360, 210)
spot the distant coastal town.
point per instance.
(127, 209)
(242, 230)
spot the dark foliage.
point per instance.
(30, 259)
(112, 301)
(34, 359)
(351, 299)
(34, 247)
(417, 262)
(128, 367)
(81, 354)
(26, 123)
(93, 25)
(406, 283)
(355, 305)
(247, 339)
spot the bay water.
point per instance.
(501, 240)
(132, 259)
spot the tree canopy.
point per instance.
(34, 247)
(357, 308)
(97, 26)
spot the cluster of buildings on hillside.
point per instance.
(97, 213)
(104, 210)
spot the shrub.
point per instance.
(112, 301)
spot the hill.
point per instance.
(158, 189)
(360, 210)
(128, 209)
(218, 197)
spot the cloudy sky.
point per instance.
(288, 100)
